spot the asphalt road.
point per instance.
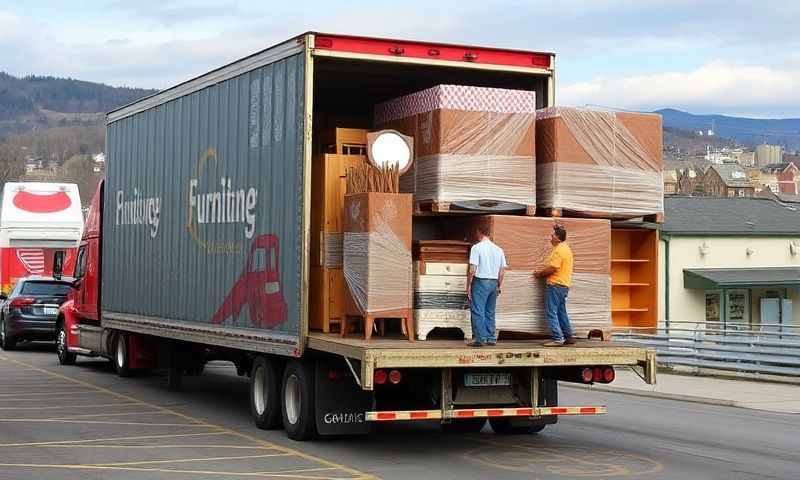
(84, 422)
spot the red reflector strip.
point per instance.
(481, 413)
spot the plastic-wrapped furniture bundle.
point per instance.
(599, 164)
(377, 258)
(474, 146)
(440, 279)
(526, 244)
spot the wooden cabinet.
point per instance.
(634, 277)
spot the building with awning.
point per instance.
(730, 260)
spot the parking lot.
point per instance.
(65, 428)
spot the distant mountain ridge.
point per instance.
(747, 131)
(33, 102)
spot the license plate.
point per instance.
(486, 379)
(50, 311)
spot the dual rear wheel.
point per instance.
(286, 399)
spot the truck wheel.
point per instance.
(503, 426)
(265, 398)
(65, 357)
(298, 401)
(464, 425)
(121, 360)
(6, 341)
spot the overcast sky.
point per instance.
(732, 57)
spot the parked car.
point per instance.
(30, 310)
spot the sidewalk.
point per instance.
(773, 397)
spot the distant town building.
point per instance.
(768, 155)
(728, 180)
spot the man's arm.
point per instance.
(500, 275)
(470, 276)
(545, 271)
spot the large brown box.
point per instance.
(599, 164)
(377, 252)
(472, 144)
(526, 244)
(526, 240)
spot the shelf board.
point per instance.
(630, 260)
(629, 310)
(630, 284)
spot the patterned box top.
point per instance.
(457, 97)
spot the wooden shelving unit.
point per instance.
(634, 277)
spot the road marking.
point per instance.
(219, 430)
(49, 394)
(186, 460)
(199, 445)
(88, 415)
(168, 470)
(140, 437)
(62, 407)
(99, 422)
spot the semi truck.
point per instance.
(197, 248)
(36, 220)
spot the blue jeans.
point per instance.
(555, 309)
(482, 307)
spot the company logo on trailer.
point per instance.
(138, 210)
(35, 203)
(223, 204)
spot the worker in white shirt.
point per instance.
(487, 264)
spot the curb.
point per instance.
(650, 394)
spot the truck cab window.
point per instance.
(80, 264)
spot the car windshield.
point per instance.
(44, 288)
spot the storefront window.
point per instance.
(713, 300)
(738, 306)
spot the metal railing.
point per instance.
(769, 349)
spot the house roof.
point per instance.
(745, 216)
(733, 175)
(712, 278)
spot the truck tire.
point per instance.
(464, 425)
(298, 401)
(503, 426)
(6, 341)
(122, 361)
(265, 394)
(65, 357)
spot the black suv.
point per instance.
(30, 311)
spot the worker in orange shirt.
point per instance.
(558, 271)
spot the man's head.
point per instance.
(481, 231)
(559, 235)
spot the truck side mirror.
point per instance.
(58, 264)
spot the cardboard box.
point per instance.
(472, 144)
(599, 164)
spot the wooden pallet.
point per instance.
(428, 207)
(560, 213)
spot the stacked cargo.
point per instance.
(526, 244)
(474, 147)
(599, 164)
(440, 286)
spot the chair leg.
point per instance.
(369, 321)
(343, 327)
(408, 322)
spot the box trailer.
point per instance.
(198, 244)
(37, 219)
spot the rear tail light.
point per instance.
(20, 302)
(380, 377)
(335, 374)
(586, 375)
(609, 375)
(597, 374)
(395, 376)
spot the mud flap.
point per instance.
(548, 397)
(340, 403)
